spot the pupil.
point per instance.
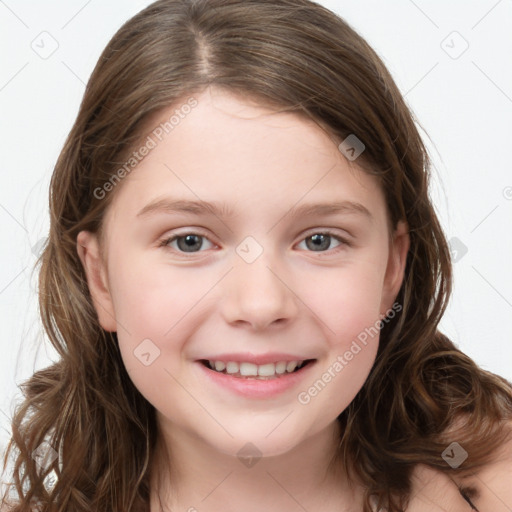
(320, 241)
(191, 241)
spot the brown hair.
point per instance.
(292, 55)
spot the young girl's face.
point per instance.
(271, 273)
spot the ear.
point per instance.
(88, 249)
(398, 249)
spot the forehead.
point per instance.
(230, 149)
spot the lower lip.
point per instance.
(256, 388)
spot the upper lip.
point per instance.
(260, 359)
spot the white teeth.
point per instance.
(232, 367)
(251, 369)
(291, 366)
(265, 370)
(280, 367)
(219, 365)
(248, 369)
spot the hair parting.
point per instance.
(293, 56)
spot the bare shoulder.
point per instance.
(435, 491)
(493, 482)
(488, 488)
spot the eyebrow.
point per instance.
(200, 207)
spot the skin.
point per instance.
(435, 491)
(292, 298)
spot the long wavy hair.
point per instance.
(294, 56)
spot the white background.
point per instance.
(463, 103)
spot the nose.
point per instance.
(257, 296)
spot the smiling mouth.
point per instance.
(275, 375)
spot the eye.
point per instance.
(321, 241)
(193, 242)
(188, 242)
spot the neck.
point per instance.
(198, 477)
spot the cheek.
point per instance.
(150, 299)
(154, 309)
(346, 300)
(347, 304)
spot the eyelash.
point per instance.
(343, 242)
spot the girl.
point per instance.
(244, 278)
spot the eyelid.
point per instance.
(343, 241)
(167, 239)
(334, 232)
